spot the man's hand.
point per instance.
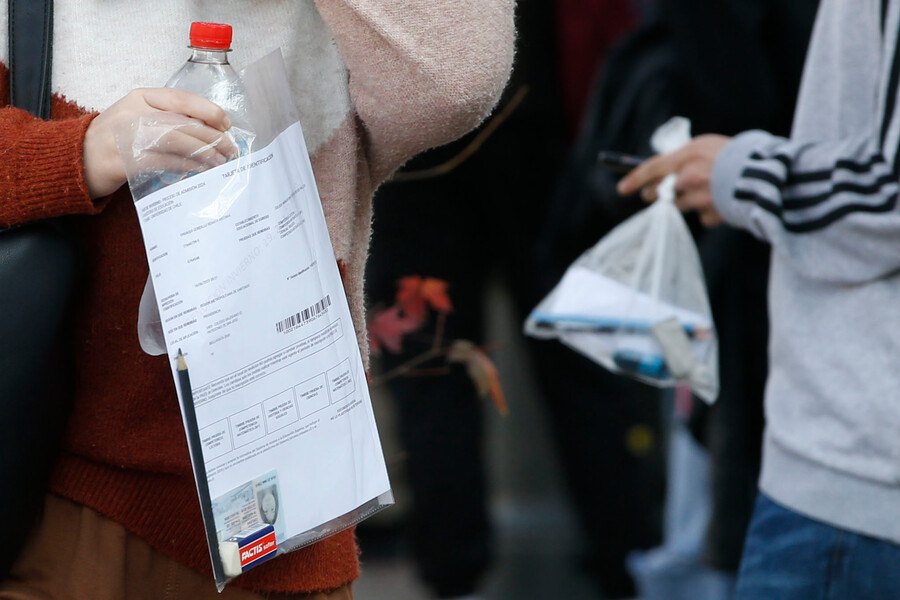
(202, 146)
(693, 166)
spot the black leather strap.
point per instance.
(30, 43)
(38, 270)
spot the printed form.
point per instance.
(249, 290)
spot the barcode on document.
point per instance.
(304, 315)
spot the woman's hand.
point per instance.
(199, 147)
(693, 165)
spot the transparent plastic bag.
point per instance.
(150, 169)
(277, 413)
(219, 83)
(637, 302)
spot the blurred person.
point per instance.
(477, 221)
(826, 201)
(605, 428)
(667, 67)
(462, 225)
(375, 85)
(585, 33)
(736, 66)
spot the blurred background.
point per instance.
(520, 468)
(538, 543)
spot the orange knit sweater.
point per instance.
(414, 82)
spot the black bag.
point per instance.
(37, 278)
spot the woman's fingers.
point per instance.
(188, 104)
(194, 143)
(176, 166)
(198, 126)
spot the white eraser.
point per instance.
(247, 548)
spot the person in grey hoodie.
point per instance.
(827, 520)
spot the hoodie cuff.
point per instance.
(727, 170)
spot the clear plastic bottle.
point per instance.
(209, 74)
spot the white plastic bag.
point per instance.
(636, 302)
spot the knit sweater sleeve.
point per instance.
(422, 72)
(41, 169)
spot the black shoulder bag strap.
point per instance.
(30, 53)
(37, 279)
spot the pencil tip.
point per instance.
(182, 365)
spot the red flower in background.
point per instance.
(387, 328)
(415, 295)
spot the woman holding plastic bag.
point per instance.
(374, 85)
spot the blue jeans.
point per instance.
(790, 557)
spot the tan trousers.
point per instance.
(77, 554)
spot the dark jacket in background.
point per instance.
(729, 66)
(736, 66)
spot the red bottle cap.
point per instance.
(215, 36)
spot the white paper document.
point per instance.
(249, 291)
(624, 329)
(586, 299)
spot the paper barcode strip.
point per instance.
(304, 315)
